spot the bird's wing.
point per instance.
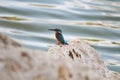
(61, 38)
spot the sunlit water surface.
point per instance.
(96, 21)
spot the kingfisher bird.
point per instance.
(59, 36)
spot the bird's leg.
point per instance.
(58, 43)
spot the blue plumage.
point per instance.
(59, 36)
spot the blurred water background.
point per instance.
(96, 21)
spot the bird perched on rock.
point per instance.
(59, 36)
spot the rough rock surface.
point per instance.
(76, 61)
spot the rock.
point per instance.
(76, 61)
(82, 54)
(6, 41)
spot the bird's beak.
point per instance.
(51, 29)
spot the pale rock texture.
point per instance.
(76, 61)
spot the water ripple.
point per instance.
(95, 21)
